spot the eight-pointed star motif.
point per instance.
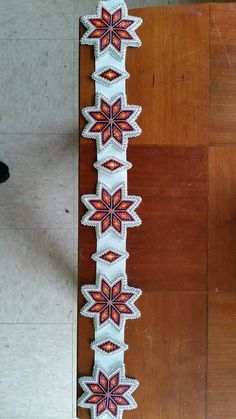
(110, 303)
(108, 394)
(111, 31)
(111, 210)
(111, 121)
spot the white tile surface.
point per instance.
(36, 86)
(74, 366)
(76, 83)
(85, 7)
(36, 371)
(40, 190)
(36, 19)
(36, 276)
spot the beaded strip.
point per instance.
(111, 122)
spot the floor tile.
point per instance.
(31, 19)
(76, 82)
(74, 369)
(39, 192)
(85, 7)
(36, 86)
(36, 276)
(36, 371)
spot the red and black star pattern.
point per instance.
(110, 303)
(111, 210)
(111, 121)
(106, 393)
(113, 31)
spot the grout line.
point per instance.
(37, 133)
(36, 39)
(40, 229)
(34, 324)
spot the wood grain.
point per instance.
(169, 249)
(222, 219)
(222, 356)
(167, 353)
(222, 127)
(172, 74)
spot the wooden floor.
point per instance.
(183, 349)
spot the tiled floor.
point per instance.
(38, 205)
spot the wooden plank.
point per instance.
(222, 126)
(222, 356)
(169, 250)
(169, 74)
(222, 221)
(167, 353)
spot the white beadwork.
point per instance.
(111, 254)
